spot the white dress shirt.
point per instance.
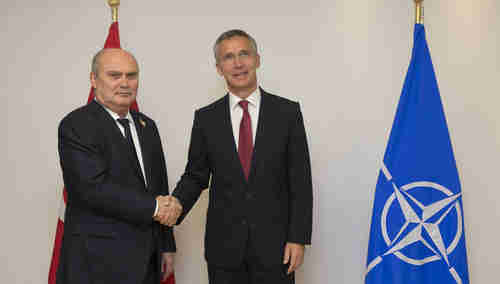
(237, 113)
(135, 136)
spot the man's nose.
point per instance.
(238, 62)
(124, 82)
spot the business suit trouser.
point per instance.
(152, 273)
(251, 271)
(249, 274)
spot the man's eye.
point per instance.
(244, 54)
(228, 57)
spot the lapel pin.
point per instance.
(142, 122)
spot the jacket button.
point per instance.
(249, 196)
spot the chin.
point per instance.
(241, 85)
(126, 101)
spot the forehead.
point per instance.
(234, 44)
(117, 60)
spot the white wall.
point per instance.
(344, 61)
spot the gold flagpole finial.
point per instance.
(419, 12)
(114, 4)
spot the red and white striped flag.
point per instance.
(112, 41)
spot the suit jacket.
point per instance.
(109, 233)
(274, 206)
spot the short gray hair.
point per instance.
(233, 33)
(95, 60)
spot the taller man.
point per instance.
(114, 169)
(253, 145)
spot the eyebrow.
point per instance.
(121, 73)
(231, 53)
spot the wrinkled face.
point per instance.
(116, 80)
(237, 62)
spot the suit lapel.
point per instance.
(116, 134)
(260, 135)
(140, 126)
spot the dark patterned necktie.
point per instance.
(245, 143)
(128, 136)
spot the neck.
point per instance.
(121, 111)
(243, 94)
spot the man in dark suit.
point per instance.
(253, 145)
(115, 174)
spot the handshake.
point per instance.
(169, 210)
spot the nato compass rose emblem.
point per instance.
(408, 222)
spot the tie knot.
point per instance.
(244, 104)
(123, 121)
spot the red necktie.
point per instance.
(245, 143)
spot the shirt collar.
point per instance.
(253, 99)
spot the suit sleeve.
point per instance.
(167, 235)
(300, 182)
(85, 173)
(197, 173)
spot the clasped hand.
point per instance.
(169, 210)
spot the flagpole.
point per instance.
(419, 12)
(114, 4)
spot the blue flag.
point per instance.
(417, 230)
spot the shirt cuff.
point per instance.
(156, 209)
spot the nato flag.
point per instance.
(417, 230)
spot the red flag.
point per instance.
(113, 41)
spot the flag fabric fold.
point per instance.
(417, 230)
(112, 41)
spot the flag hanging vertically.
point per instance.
(112, 41)
(417, 231)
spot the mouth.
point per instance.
(240, 75)
(124, 94)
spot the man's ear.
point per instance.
(93, 79)
(219, 70)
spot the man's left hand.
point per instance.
(167, 264)
(294, 256)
